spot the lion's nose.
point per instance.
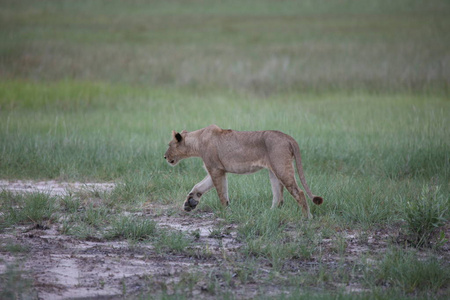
(165, 157)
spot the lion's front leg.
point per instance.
(219, 178)
(196, 193)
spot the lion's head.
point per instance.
(177, 148)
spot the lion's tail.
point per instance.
(298, 160)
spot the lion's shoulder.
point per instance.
(213, 128)
(216, 130)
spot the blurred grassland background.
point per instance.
(264, 47)
(90, 90)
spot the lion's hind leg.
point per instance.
(277, 190)
(287, 177)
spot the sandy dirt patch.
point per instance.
(52, 187)
(63, 267)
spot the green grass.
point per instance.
(132, 229)
(10, 246)
(367, 155)
(410, 274)
(91, 90)
(15, 283)
(138, 229)
(34, 208)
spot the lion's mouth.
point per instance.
(172, 162)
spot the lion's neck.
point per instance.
(192, 141)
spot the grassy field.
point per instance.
(91, 90)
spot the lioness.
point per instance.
(241, 152)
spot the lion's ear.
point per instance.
(178, 137)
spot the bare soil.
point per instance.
(52, 187)
(63, 267)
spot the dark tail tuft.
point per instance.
(318, 200)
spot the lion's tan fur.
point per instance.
(241, 152)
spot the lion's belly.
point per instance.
(245, 167)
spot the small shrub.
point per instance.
(426, 215)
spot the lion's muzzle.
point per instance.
(170, 161)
